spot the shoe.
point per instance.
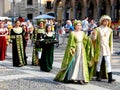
(26, 57)
(85, 82)
(81, 82)
(98, 77)
(71, 81)
(20, 65)
(110, 79)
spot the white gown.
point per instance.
(76, 70)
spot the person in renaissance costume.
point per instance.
(9, 27)
(26, 37)
(102, 38)
(47, 57)
(38, 35)
(17, 36)
(3, 41)
(77, 56)
(30, 28)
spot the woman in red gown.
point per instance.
(3, 41)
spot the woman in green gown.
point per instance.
(77, 55)
(38, 34)
(47, 50)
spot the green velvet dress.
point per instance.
(47, 57)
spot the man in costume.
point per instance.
(38, 35)
(102, 38)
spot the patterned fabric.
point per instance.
(37, 35)
(18, 52)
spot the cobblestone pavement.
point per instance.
(31, 78)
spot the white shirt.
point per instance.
(85, 25)
(104, 40)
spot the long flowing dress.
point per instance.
(37, 36)
(47, 52)
(75, 67)
(3, 43)
(18, 54)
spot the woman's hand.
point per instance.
(72, 51)
(93, 35)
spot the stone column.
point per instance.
(86, 11)
(55, 11)
(14, 8)
(64, 13)
(74, 12)
(99, 13)
(113, 12)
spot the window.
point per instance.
(40, 13)
(49, 5)
(30, 16)
(67, 16)
(29, 2)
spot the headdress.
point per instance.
(23, 23)
(76, 22)
(40, 20)
(105, 17)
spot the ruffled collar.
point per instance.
(17, 30)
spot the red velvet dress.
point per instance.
(3, 43)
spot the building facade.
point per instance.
(78, 9)
(5, 8)
(61, 9)
(25, 8)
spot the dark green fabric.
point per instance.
(47, 57)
